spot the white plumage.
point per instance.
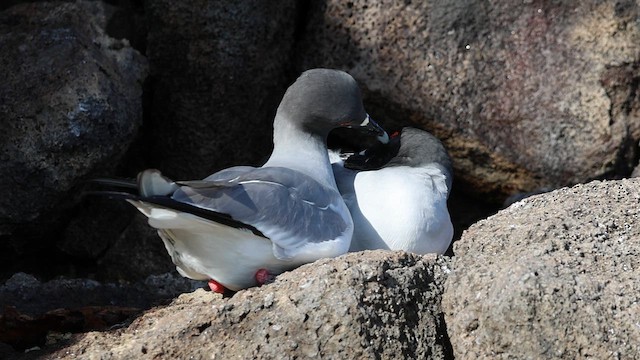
(403, 204)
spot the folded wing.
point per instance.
(288, 207)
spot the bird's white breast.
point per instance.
(401, 208)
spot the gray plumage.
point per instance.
(243, 220)
(298, 210)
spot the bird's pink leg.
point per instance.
(216, 286)
(263, 277)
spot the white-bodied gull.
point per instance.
(242, 225)
(400, 202)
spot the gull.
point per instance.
(397, 194)
(240, 226)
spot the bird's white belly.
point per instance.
(410, 214)
(230, 256)
(203, 250)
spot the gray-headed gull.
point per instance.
(400, 203)
(243, 225)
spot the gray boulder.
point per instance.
(552, 276)
(524, 95)
(366, 305)
(70, 104)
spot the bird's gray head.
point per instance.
(323, 99)
(418, 147)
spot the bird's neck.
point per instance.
(300, 150)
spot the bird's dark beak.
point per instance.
(372, 127)
(357, 134)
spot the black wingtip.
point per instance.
(117, 195)
(111, 187)
(221, 218)
(127, 189)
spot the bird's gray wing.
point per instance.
(223, 177)
(289, 207)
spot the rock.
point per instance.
(136, 254)
(97, 225)
(361, 305)
(114, 242)
(28, 332)
(635, 172)
(552, 276)
(218, 73)
(33, 297)
(71, 103)
(32, 311)
(524, 95)
(7, 351)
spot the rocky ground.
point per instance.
(552, 276)
(363, 305)
(527, 97)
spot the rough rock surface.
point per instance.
(70, 103)
(363, 305)
(31, 296)
(218, 71)
(562, 77)
(114, 241)
(32, 311)
(98, 222)
(552, 276)
(136, 254)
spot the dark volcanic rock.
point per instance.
(32, 311)
(218, 71)
(97, 224)
(70, 103)
(524, 95)
(116, 240)
(136, 254)
(552, 276)
(31, 296)
(363, 305)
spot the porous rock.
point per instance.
(552, 276)
(218, 72)
(33, 297)
(70, 103)
(361, 305)
(136, 254)
(116, 240)
(35, 313)
(525, 95)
